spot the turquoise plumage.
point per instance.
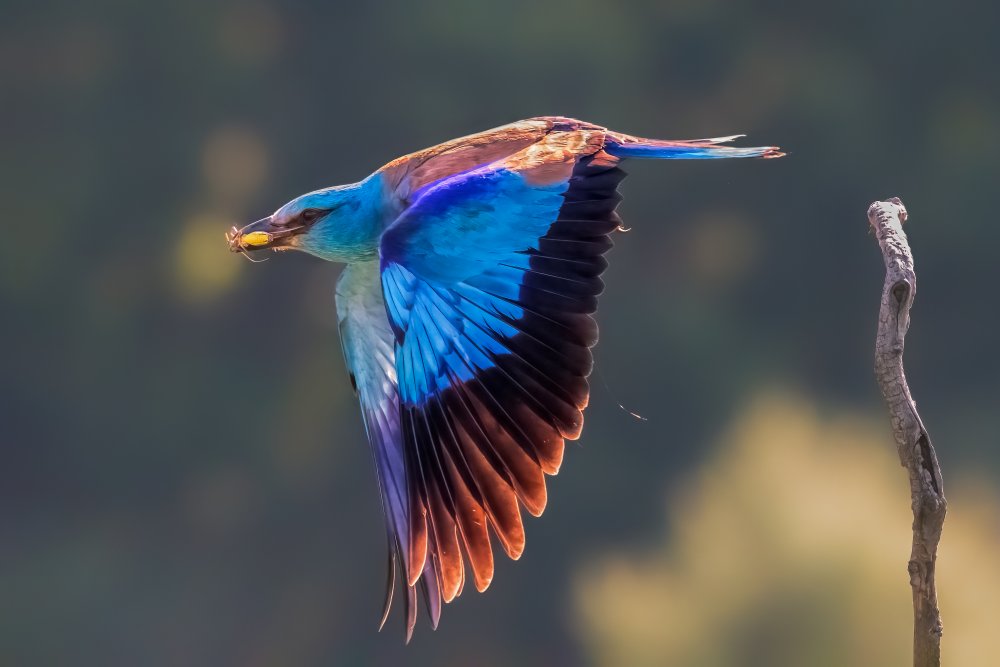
(466, 321)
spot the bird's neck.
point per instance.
(351, 232)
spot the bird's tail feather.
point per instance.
(625, 146)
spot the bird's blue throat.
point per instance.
(353, 221)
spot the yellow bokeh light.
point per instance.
(203, 268)
(789, 548)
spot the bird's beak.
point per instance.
(257, 235)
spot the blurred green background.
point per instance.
(185, 480)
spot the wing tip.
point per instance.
(537, 505)
(482, 583)
(390, 589)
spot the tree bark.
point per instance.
(913, 444)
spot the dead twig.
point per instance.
(913, 444)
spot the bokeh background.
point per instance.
(185, 480)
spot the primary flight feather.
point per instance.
(465, 311)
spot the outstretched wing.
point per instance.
(472, 371)
(490, 278)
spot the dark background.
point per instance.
(185, 479)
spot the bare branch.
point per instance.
(912, 442)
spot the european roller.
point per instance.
(466, 318)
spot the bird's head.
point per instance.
(332, 223)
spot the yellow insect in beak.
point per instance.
(255, 239)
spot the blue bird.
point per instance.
(466, 319)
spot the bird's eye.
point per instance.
(309, 215)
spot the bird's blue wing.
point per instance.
(490, 278)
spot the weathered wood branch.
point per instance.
(912, 442)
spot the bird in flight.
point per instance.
(466, 319)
